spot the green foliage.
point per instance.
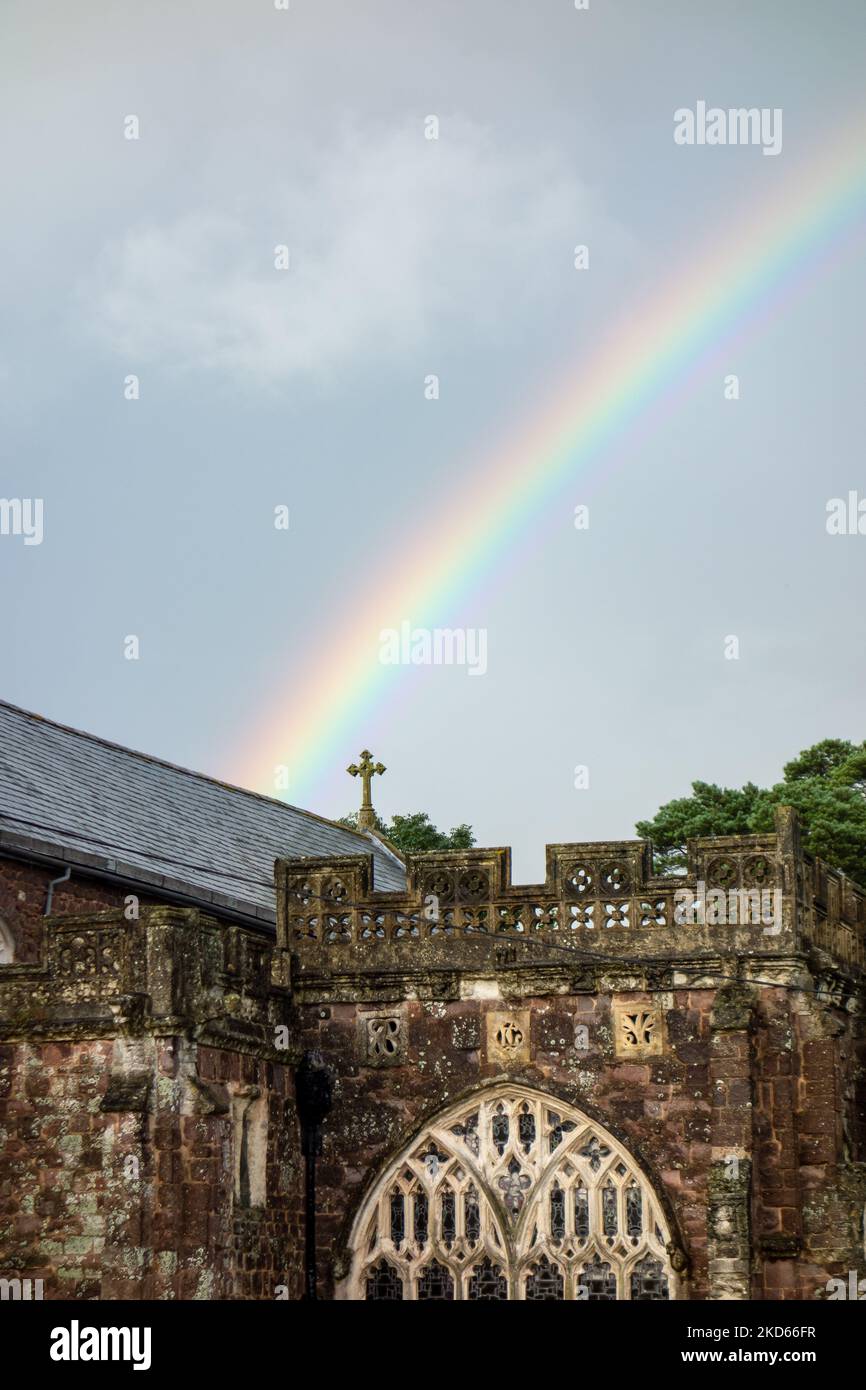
(826, 784)
(415, 833)
(824, 759)
(710, 810)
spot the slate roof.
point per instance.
(72, 798)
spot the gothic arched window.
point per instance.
(511, 1195)
(7, 944)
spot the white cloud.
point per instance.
(391, 237)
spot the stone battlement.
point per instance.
(754, 894)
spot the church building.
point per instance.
(249, 1053)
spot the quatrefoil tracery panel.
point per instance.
(513, 1195)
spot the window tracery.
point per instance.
(512, 1196)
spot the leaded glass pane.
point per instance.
(634, 1212)
(597, 1281)
(384, 1284)
(526, 1128)
(435, 1284)
(557, 1213)
(544, 1283)
(449, 1218)
(608, 1210)
(398, 1219)
(581, 1213)
(649, 1282)
(500, 1129)
(487, 1284)
(471, 1217)
(421, 1218)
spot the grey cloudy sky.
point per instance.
(155, 257)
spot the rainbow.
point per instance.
(744, 277)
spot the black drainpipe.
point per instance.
(313, 1096)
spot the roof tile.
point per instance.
(82, 794)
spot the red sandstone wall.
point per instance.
(125, 1205)
(778, 1092)
(659, 1107)
(791, 1091)
(135, 1203)
(23, 892)
(54, 1187)
(808, 1130)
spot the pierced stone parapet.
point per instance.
(745, 895)
(168, 969)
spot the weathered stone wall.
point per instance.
(811, 1187)
(148, 1134)
(24, 893)
(149, 1143)
(718, 1103)
(658, 1106)
(139, 1202)
(746, 1107)
(53, 1169)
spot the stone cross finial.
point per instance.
(366, 769)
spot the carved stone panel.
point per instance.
(383, 1039)
(508, 1037)
(87, 961)
(638, 1030)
